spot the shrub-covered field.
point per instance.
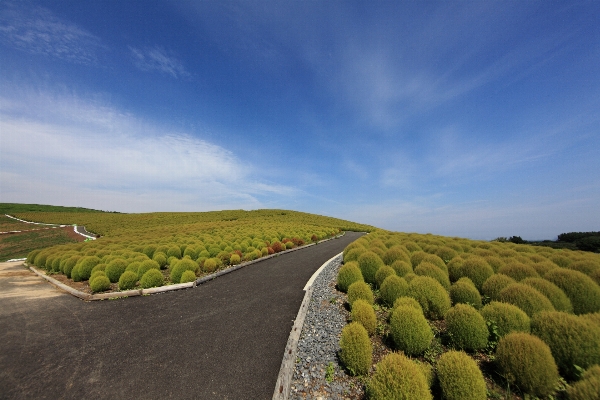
(147, 250)
(471, 319)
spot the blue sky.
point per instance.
(476, 119)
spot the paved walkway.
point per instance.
(221, 340)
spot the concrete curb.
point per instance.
(167, 288)
(286, 372)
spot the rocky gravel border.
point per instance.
(317, 373)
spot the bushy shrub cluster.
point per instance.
(432, 296)
(186, 264)
(383, 273)
(526, 298)
(187, 276)
(402, 267)
(583, 292)
(466, 327)
(360, 290)
(425, 268)
(588, 388)
(356, 351)
(394, 254)
(364, 314)
(557, 297)
(397, 377)
(464, 291)
(407, 301)
(115, 269)
(347, 275)
(460, 378)
(506, 318)
(572, 339)
(410, 330)
(494, 285)
(100, 283)
(518, 271)
(392, 287)
(369, 263)
(476, 269)
(152, 278)
(527, 361)
(128, 280)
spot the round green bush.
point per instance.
(527, 361)
(187, 276)
(353, 254)
(235, 259)
(417, 257)
(360, 290)
(588, 388)
(115, 269)
(561, 260)
(587, 267)
(394, 254)
(446, 253)
(161, 259)
(128, 280)
(495, 262)
(476, 269)
(174, 251)
(186, 264)
(407, 301)
(557, 297)
(454, 268)
(593, 317)
(369, 263)
(31, 256)
(75, 275)
(96, 274)
(133, 266)
(152, 278)
(432, 296)
(425, 268)
(364, 314)
(356, 351)
(410, 330)
(392, 287)
(460, 378)
(518, 271)
(210, 265)
(99, 283)
(437, 261)
(145, 266)
(464, 291)
(396, 377)
(506, 317)
(466, 327)
(85, 265)
(69, 264)
(401, 267)
(572, 339)
(383, 273)
(542, 268)
(596, 277)
(526, 298)
(583, 292)
(347, 275)
(409, 277)
(494, 285)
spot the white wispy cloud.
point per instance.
(89, 149)
(157, 59)
(38, 31)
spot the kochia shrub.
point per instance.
(115, 268)
(476, 269)
(394, 254)
(401, 267)
(152, 278)
(560, 260)
(392, 287)
(360, 290)
(174, 251)
(518, 271)
(184, 265)
(587, 267)
(410, 330)
(572, 339)
(397, 377)
(527, 361)
(347, 275)
(557, 297)
(417, 257)
(128, 280)
(432, 296)
(494, 285)
(460, 378)
(31, 256)
(425, 268)
(583, 292)
(383, 273)
(69, 264)
(99, 283)
(187, 276)
(356, 351)
(588, 388)
(161, 259)
(86, 264)
(75, 275)
(446, 253)
(409, 302)
(364, 314)
(506, 317)
(466, 327)
(235, 259)
(526, 298)
(454, 268)
(464, 291)
(210, 265)
(146, 266)
(369, 263)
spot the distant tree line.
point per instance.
(586, 241)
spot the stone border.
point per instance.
(286, 371)
(168, 288)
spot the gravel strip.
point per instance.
(319, 343)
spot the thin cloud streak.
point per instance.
(157, 59)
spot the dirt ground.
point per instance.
(18, 281)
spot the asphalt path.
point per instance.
(222, 340)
